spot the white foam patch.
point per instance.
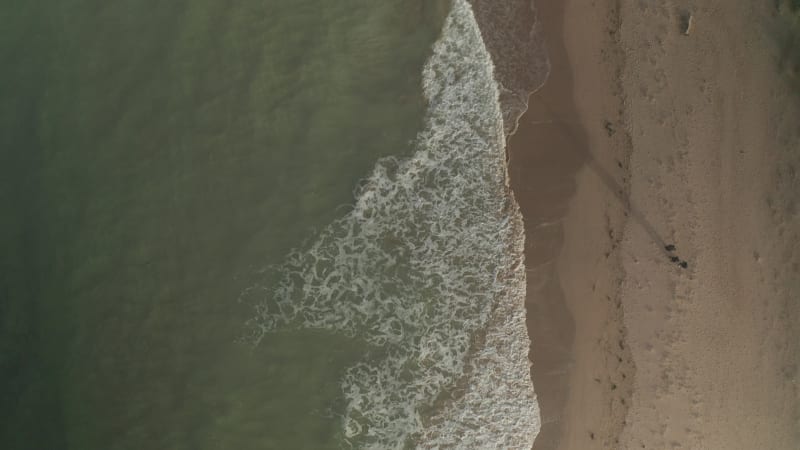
(427, 268)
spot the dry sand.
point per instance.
(643, 137)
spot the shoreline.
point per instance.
(554, 173)
(567, 162)
(541, 179)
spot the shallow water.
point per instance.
(170, 172)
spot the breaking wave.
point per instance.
(428, 269)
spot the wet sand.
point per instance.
(644, 137)
(543, 162)
(573, 309)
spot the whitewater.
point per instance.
(426, 268)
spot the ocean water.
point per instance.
(256, 225)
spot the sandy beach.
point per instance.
(644, 138)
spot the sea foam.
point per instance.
(427, 268)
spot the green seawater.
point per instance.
(154, 157)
